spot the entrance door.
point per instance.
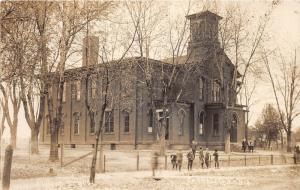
(233, 130)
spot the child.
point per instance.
(191, 158)
(206, 158)
(201, 157)
(174, 160)
(216, 158)
(179, 160)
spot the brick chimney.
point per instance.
(90, 50)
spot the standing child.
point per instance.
(173, 161)
(206, 158)
(179, 160)
(216, 158)
(201, 157)
(191, 158)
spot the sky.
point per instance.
(284, 28)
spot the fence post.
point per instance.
(137, 161)
(245, 160)
(271, 159)
(104, 163)
(61, 154)
(7, 167)
(228, 160)
(258, 159)
(166, 162)
(284, 159)
(209, 161)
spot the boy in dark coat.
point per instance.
(216, 158)
(191, 158)
(174, 161)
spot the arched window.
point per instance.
(93, 88)
(201, 88)
(76, 116)
(216, 91)
(109, 122)
(181, 115)
(216, 124)
(126, 121)
(150, 125)
(201, 123)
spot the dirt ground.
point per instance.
(247, 178)
(32, 173)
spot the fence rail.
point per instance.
(141, 160)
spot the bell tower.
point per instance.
(203, 34)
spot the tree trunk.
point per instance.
(289, 141)
(162, 140)
(98, 136)
(163, 126)
(13, 137)
(101, 156)
(34, 141)
(54, 143)
(227, 141)
(281, 138)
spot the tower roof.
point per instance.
(203, 14)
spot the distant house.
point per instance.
(200, 114)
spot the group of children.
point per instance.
(176, 159)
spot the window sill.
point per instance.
(76, 134)
(108, 133)
(126, 133)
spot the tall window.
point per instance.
(64, 92)
(62, 125)
(92, 127)
(126, 122)
(201, 123)
(201, 88)
(109, 122)
(78, 90)
(216, 124)
(216, 91)
(150, 125)
(76, 122)
(181, 116)
(94, 88)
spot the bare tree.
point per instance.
(110, 74)
(16, 37)
(173, 73)
(71, 16)
(241, 44)
(11, 115)
(286, 90)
